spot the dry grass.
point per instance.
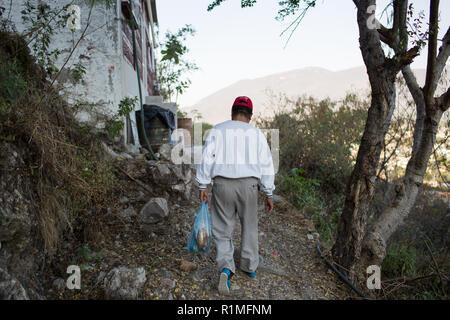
(71, 175)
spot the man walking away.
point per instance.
(236, 158)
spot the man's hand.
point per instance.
(204, 196)
(268, 205)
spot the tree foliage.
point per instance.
(319, 137)
(173, 67)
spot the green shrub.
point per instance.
(326, 220)
(114, 126)
(319, 137)
(304, 193)
(300, 190)
(400, 261)
(12, 86)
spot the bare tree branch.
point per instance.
(443, 102)
(441, 60)
(386, 35)
(431, 75)
(83, 34)
(397, 36)
(400, 28)
(404, 58)
(414, 88)
(437, 163)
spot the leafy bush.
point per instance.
(12, 86)
(114, 126)
(400, 261)
(301, 191)
(305, 194)
(173, 67)
(319, 137)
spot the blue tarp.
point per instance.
(165, 115)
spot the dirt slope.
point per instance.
(291, 267)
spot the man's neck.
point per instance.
(241, 118)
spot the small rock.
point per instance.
(124, 200)
(169, 283)
(59, 284)
(140, 156)
(140, 196)
(310, 236)
(162, 174)
(187, 266)
(11, 288)
(165, 152)
(124, 283)
(179, 187)
(101, 276)
(87, 267)
(154, 211)
(128, 213)
(125, 155)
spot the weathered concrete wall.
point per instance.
(109, 76)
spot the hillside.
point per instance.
(71, 198)
(317, 82)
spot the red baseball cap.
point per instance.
(244, 102)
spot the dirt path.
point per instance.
(291, 267)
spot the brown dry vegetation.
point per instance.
(70, 173)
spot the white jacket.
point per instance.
(236, 149)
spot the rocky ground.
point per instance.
(140, 252)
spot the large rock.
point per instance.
(162, 174)
(124, 282)
(11, 288)
(154, 211)
(22, 249)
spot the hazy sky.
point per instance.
(232, 43)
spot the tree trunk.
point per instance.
(360, 189)
(429, 113)
(353, 250)
(374, 246)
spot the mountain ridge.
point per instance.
(316, 82)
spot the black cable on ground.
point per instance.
(343, 278)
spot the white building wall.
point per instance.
(109, 77)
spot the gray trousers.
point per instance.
(232, 198)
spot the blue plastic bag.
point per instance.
(200, 238)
